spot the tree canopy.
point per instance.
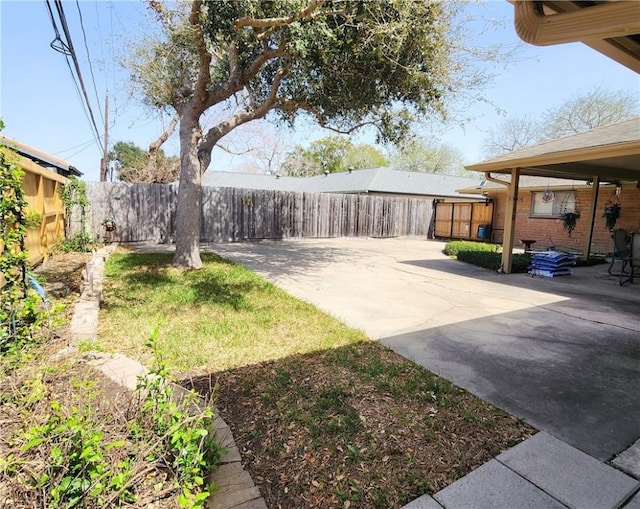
(428, 156)
(345, 63)
(133, 164)
(331, 154)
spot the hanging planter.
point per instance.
(569, 220)
(109, 225)
(611, 215)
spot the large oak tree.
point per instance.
(344, 63)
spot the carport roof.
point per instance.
(611, 153)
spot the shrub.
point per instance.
(492, 261)
(454, 247)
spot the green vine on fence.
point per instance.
(15, 315)
(74, 194)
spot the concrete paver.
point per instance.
(233, 497)
(569, 475)
(494, 486)
(629, 460)
(423, 502)
(634, 503)
(119, 368)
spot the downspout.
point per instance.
(487, 175)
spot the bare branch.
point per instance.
(150, 168)
(153, 147)
(226, 149)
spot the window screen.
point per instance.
(546, 204)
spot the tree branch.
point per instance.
(217, 132)
(291, 106)
(235, 83)
(204, 73)
(246, 21)
(155, 146)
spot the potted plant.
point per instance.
(611, 215)
(109, 224)
(569, 220)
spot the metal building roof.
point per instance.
(373, 180)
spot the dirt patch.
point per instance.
(63, 274)
(357, 427)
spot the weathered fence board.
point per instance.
(146, 212)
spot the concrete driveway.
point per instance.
(563, 353)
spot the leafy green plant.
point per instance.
(182, 428)
(18, 312)
(569, 220)
(74, 194)
(81, 242)
(454, 247)
(33, 219)
(77, 468)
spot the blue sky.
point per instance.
(40, 105)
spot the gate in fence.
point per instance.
(463, 220)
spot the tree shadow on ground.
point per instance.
(572, 377)
(153, 270)
(288, 258)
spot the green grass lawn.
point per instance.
(220, 317)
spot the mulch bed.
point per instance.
(355, 427)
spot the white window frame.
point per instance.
(561, 203)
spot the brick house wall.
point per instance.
(548, 232)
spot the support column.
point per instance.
(595, 189)
(510, 221)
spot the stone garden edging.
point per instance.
(235, 488)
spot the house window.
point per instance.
(545, 204)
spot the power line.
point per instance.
(83, 144)
(86, 47)
(81, 150)
(74, 57)
(66, 47)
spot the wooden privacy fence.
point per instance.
(42, 192)
(461, 220)
(146, 212)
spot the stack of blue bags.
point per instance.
(552, 264)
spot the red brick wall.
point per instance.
(549, 232)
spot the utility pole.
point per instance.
(103, 161)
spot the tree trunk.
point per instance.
(189, 196)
